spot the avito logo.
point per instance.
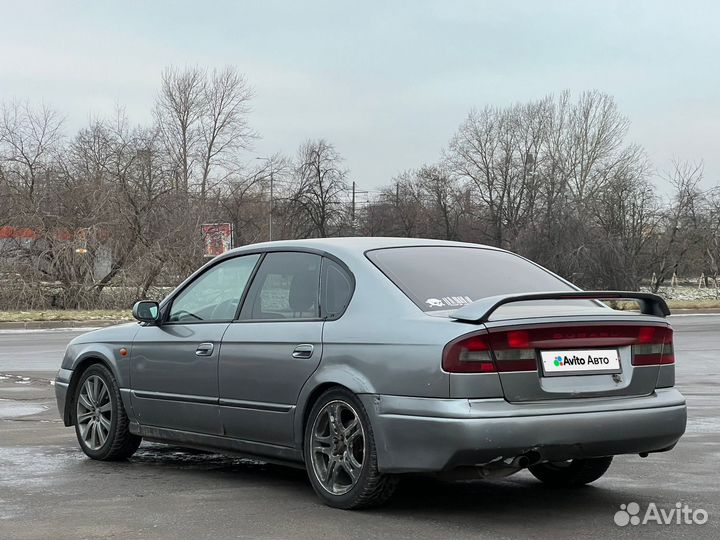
(681, 514)
(569, 361)
(580, 361)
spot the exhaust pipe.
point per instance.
(520, 462)
(494, 469)
(524, 461)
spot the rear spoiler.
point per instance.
(480, 310)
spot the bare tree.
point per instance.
(224, 125)
(29, 141)
(202, 119)
(178, 112)
(680, 234)
(403, 205)
(246, 200)
(626, 218)
(496, 151)
(113, 212)
(712, 234)
(317, 190)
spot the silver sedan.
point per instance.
(363, 359)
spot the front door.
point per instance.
(271, 351)
(174, 365)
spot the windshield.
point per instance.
(442, 277)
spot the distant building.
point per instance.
(17, 243)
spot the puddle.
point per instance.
(16, 409)
(30, 467)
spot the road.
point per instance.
(48, 489)
(34, 350)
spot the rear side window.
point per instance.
(441, 278)
(285, 287)
(335, 290)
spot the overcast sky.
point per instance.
(387, 82)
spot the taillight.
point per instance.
(654, 346)
(513, 351)
(485, 353)
(469, 354)
(503, 349)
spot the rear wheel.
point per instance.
(101, 423)
(340, 453)
(571, 473)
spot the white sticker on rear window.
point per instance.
(450, 301)
(455, 301)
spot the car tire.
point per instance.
(102, 426)
(341, 458)
(572, 473)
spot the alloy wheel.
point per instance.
(338, 447)
(94, 412)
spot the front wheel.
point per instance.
(571, 473)
(101, 423)
(340, 453)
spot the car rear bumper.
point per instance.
(430, 435)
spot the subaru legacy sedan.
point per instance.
(363, 359)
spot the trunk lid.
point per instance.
(579, 357)
(562, 345)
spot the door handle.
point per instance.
(304, 350)
(204, 349)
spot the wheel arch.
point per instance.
(80, 366)
(332, 377)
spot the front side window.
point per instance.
(285, 287)
(215, 295)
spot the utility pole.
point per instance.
(272, 179)
(352, 214)
(270, 217)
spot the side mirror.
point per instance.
(146, 311)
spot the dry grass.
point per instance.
(124, 314)
(694, 304)
(672, 304)
(65, 315)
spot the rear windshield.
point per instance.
(442, 278)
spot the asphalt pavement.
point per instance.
(50, 490)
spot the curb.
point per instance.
(694, 311)
(42, 325)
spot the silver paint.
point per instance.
(251, 395)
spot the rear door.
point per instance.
(274, 347)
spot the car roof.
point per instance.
(355, 245)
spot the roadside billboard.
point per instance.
(217, 238)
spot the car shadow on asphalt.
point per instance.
(497, 494)
(517, 495)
